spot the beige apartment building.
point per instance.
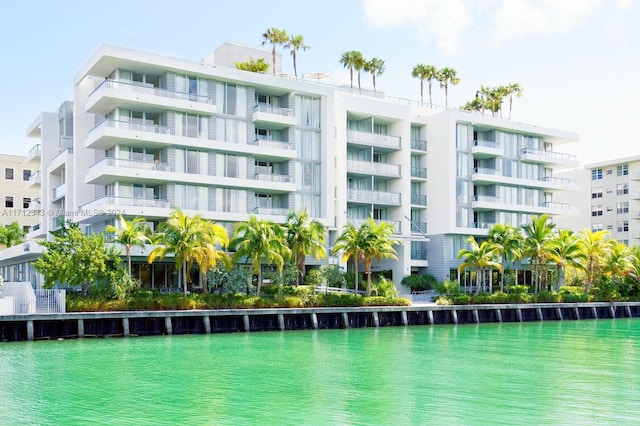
(19, 191)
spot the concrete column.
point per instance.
(247, 324)
(613, 311)
(519, 314)
(168, 325)
(30, 332)
(559, 312)
(314, 321)
(454, 316)
(476, 317)
(125, 327)
(80, 328)
(405, 320)
(207, 324)
(499, 315)
(376, 321)
(430, 317)
(576, 312)
(281, 322)
(539, 312)
(594, 311)
(628, 309)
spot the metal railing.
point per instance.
(550, 154)
(419, 172)
(50, 301)
(419, 200)
(419, 144)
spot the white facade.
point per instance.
(151, 133)
(615, 198)
(18, 191)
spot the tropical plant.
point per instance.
(595, 247)
(256, 239)
(305, 236)
(537, 244)
(212, 238)
(11, 234)
(251, 65)
(513, 89)
(77, 260)
(425, 72)
(376, 67)
(479, 257)
(358, 65)
(275, 36)
(348, 60)
(564, 252)
(296, 43)
(378, 244)
(616, 261)
(447, 76)
(129, 233)
(350, 243)
(507, 240)
(180, 236)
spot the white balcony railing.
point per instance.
(149, 89)
(372, 167)
(127, 201)
(131, 164)
(373, 139)
(272, 177)
(363, 196)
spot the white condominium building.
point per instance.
(152, 133)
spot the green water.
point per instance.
(572, 372)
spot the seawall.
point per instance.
(150, 323)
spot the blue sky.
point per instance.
(577, 60)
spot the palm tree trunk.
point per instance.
(184, 276)
(273, 59)
(430, 101)
(478, 282)
(205, 288)
(355, 268)
(421, 92)
(374, 83)
(510, 104)
(259, 279)
(128, 251)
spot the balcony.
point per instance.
(419, 172)
(35, 179)
(491, 176)
(540, 156)
(272, 116)
(111, 94)
(373, 197)
(397, 226)
(634, 195)
(419, 145)
(486, 149)
(59, 192)
(273, 211)
(127, 201)
(112, 132)
(35, 154)
(59, 161)
(488, 202)
(373, 168)
(419, 200)
(107, 170)
(419, 228)
(418, 254)
(373, 139)
(272, 177)
(266, 142)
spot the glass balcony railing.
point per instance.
(360, 221)
(364, 196)
(418, 144)
(267, 142)
(128, 125)
(272, 177)
(486, 144)
(372, 167)
(269, 109)
(131, 164)
(419, 254)
(419, 172)
(149, 89)
(373, 139)
(127, 201)
(275, 211)
(550, 154)
(419, 200)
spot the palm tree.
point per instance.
(11, 234)
(349, 242)
(425, 72)
(129, 233)
(275, 36)
(208, 254)
(595, 247)
(378, 244)
(447, 76)
(348, 60)
(374, 66)
(507, 239)
(616, 261)
(479, 257)
(256, 239)
(513, 89)
(565, 251)
(305, 236)
(537, 245)
(180, 236)
(296, 43)
(358, 65)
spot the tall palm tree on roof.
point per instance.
(275, 36)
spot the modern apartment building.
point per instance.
(150, 133)
(18, 194)
(615, 198)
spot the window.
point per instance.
(8, 202)
(625, 242)
(26, 202)
(622, 226)
(596, 174)
(596, 193)
(622, 170)
(26, 174)
(609, 171)
(622, 207)
(622, 189)
(596, 211)
(596, 227)
(8, 174)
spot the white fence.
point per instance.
(26, 300)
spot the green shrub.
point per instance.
(571, 289)
(443, 301)
(518, 289)
(419, 282)
(448, 288)
(499, 297)
(313, 278)
(384, 287)
(459, 299)
(547, 297)
(333, 275)
(574, 298)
